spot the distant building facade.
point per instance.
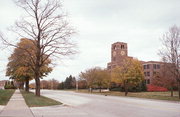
(119, 51)
(151, 68)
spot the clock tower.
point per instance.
(119, 51)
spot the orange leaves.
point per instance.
(22, 61)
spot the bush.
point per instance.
(116, 89)
(156, 88)
(138, 88)
(9, 85)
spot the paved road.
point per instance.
(85, 105)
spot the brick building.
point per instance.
(150, 69)
(119, 51)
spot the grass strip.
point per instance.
(147, 95)
(35, 101)
(5, 95)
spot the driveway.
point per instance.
(90, 105)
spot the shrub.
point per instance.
(9, 85)
(138, 88)
(156, 88)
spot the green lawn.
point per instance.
(148, 95)
(5, 95)
(35, 101)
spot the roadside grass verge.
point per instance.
(5, 95)
(147, 95)
(35, 101)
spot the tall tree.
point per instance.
(103, 79)
(129, 74)
(170, 52)
(70, 82)
(96, 77)
(20, 67)
(46, 24)
(61, 85)
(89, 75)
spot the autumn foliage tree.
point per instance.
(46, 24)
(96, 78)
(89, 76)
(82, 84)
(103, 79)
(129, 74)
(20, 65)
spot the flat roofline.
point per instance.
(119, 42)
(146, 62)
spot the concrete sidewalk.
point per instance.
(16, 107)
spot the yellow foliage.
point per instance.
(130, 72)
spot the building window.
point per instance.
(154, 66)
(158, 66)
(148, 66)
(114, 47)
(148, 81)
(144, 66)
(148, 73)
(122, 46)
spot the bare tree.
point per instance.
(165, 78)
(170, 52)
(47, 25)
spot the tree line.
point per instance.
(68, 83)
(127, 77)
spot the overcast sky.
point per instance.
(99, 23)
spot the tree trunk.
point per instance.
(179, 88)
(125, 88)
(37, 86)
(21, 85)
(27, 85)
(37, 81)
(37, 65)
(171, 91)
(100, 89)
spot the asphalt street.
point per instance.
(90, 105)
